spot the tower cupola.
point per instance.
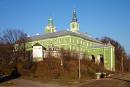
(50, 27)
(74, 19)
(74, 25)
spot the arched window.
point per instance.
(93, 58)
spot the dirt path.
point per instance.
(105, 83)
(92, 83)
(117, 81)
(29, 83)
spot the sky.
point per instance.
(98, 18)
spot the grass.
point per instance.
(50, 70)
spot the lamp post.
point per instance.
(122, 63)
(79, 73)
(79, 68)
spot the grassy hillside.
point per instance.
(51, 69)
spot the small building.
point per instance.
(37, 52)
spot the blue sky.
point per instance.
(96, 17)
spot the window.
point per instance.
(87, 44)
(73, 26)
(60, 40)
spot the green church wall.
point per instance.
(74, 43)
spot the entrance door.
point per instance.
(93, 58)
(101, 60)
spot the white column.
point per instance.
(70, 43)
(111, 58)
(104, 53)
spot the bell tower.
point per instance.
(50, 27)
(74, 25)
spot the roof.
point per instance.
(62, 33)
(102, 46)
(37, 44)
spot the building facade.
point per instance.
(73, 40)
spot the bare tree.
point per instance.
(9, 40)
(12, 36)
(127, 64)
